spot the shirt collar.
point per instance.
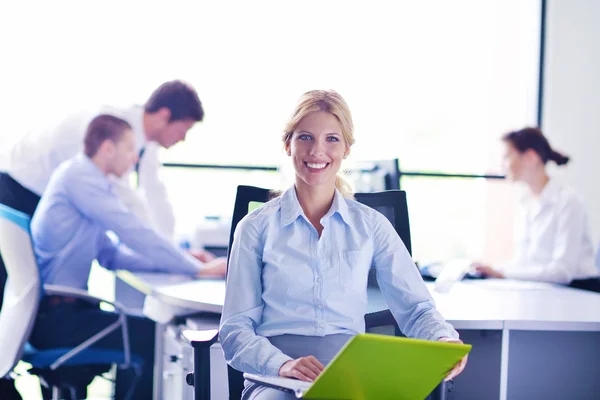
(136, 120)
(549, 194)
(340, 206)
(88, 165)
(291, 209)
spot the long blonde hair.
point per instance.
(329, 101)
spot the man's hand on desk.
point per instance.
(216, 268)
(202, 255)
(487, 271)
(458, 368)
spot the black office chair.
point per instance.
(392, 204)
(245, 196)
(201, 341)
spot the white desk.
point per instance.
(523, 316)
(475, 304)
(498, 304)
(182, 294)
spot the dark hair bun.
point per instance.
(558, 158)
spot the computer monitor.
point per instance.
(375, 176)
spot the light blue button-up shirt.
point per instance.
(72, 223)
(284, 279)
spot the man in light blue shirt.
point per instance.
(80, 219)
(73, 223)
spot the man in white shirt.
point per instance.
(164, 120)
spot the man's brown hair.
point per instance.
(180, 98)
(103, 127)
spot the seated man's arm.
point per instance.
(94, 198)
(114, 255)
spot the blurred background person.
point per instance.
(552, 241)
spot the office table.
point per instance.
(530, 340)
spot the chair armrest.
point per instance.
(201, 338)
(441, 391)
(121, 322)
(58, 290)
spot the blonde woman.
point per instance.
(297, 284)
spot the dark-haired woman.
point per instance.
(552, 242)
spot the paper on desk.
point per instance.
(452, 272)
(510, 284)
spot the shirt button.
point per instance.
(319, 306)
(319, 279)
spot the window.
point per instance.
(432, 83)
(460, 218)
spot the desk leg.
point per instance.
(504, 364)
(158, 360)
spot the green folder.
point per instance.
(378, 367)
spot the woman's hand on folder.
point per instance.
(458, 368)
(304, 368)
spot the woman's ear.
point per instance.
(532, 156)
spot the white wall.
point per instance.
(571, 112)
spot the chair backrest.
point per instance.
(22, 292)
(392, 204)
(246, 195)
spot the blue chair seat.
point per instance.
(45, 358)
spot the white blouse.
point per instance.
(553, 243)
